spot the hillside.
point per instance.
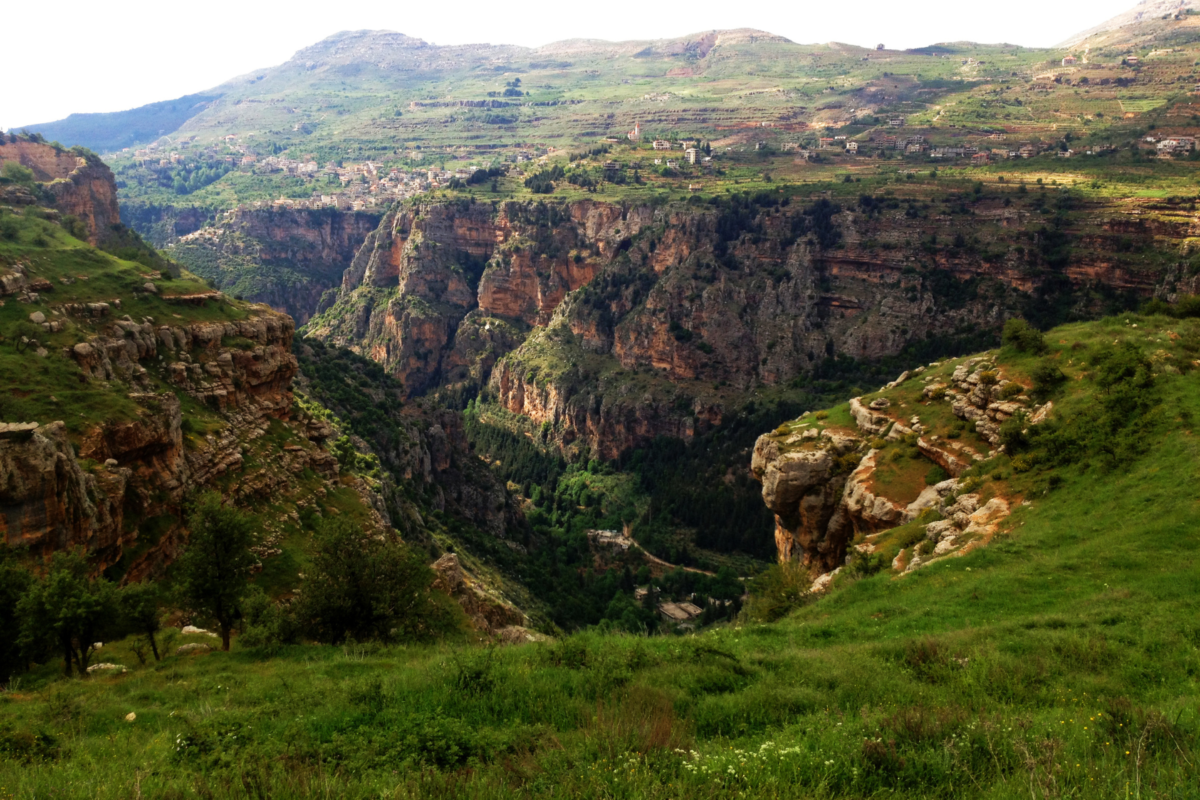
(1146, 18)
(109, 132)
(1057, 660)
(133, 388)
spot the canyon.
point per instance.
(613, 324)
(134, 405)
(286, 258)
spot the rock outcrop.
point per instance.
(50, 502)
(100, 490)
(489, 614)
(822, 482)
(78, 183)
(804, 480)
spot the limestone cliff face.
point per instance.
(662, 316)
(428, 266)
(823, 484)
(50, 502)
(100, 489)
(287, 258)
(79, 183)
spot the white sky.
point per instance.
(86, 56)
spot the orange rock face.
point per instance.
(693, 298)
(81, 186)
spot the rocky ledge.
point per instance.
(820, 474)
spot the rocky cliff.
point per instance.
(894, 458)
(287, 258)
(617, 323)
(77, 182)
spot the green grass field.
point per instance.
(1060, 661)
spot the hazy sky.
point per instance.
(74, 56)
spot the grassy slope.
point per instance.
(53, 388)
(1061, 661)
(50, 388)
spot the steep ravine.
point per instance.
(286, 258)
(614, 324)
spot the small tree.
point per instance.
(139, 604)
(69, 610)
(1023, 337)
(366, 586)
(14, 583)
(215, 567)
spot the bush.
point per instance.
(1011, 390)
(910, 537)
(1187, 307)
(1023, 337)
(13, 172)
(936, 476)
(367, 586)
(778, 591)
(266, 626)
(1012, 434)
(1047, 377)
(863, 565)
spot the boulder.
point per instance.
(192, 629)
(104, 666)
(516, 634)
(37, 318)
(188, 649)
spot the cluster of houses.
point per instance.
(978, 154)
(1171, 146)
(354, 187)
(683, 613)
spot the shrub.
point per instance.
(936, 476)
(911, 536)
(779, 590)
(1011, 390)
(364, 586)
(16, 173)
(266, 626)
(1023, 337)
(928, 659)
(9, 229)
(863, 565)
(1187, 307)
(1012, 434)
(1047, 377)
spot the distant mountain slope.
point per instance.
(112, 131)
(1145, 11)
